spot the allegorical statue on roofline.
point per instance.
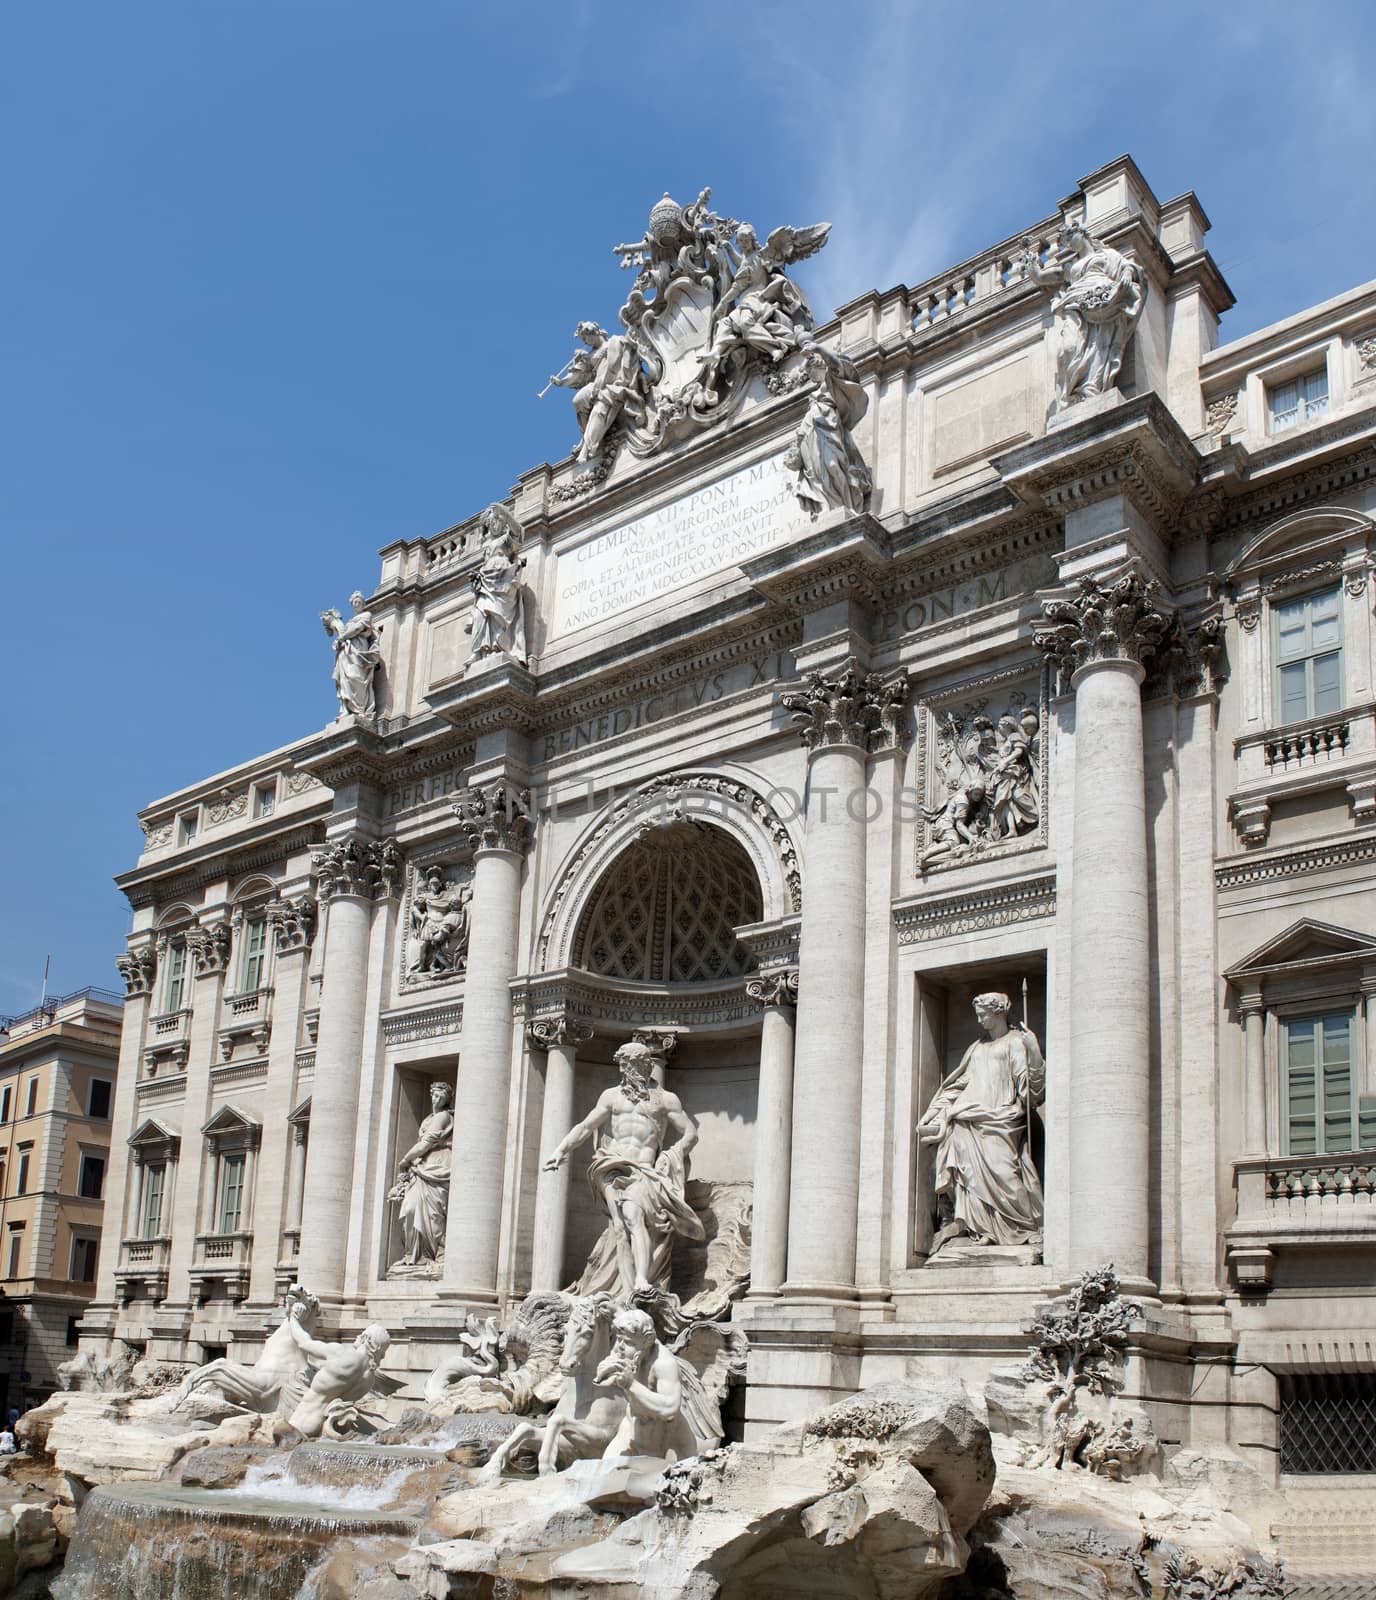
(711, 307)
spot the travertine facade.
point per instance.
(1006, 636)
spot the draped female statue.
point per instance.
(499, 624)
(421, 1192)
(980, 1122)
(357, 656)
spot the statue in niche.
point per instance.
(498, 626)
(345, 1375)
(439, 925)
(1100, 296)
(609, 384)
(421, 1190)
(762, 310)
(830, 468)
(637, 1177)
(357, 657)
(980, 1121)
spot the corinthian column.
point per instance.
(352, 872)
(498, 822)
(777, 992)
(1099, 634)
(559, 1037)
(841, 717)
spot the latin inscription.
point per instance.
(692, 538)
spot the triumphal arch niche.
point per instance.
(879, 827)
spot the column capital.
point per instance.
(1114, 618)
(1251, 1002)
(353, 865)
(496, 816)
(547, 1032)
(850, 707)
(778, 988)
(293, 922)
(138, 966)
(209, 944)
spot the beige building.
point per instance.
(1078, 635)
(57, 1091)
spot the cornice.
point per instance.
(1345, 852)
(620, 1008)
(1318, 481)
(174, 880)
(852, 559)
(992, 905)
(423, 1022)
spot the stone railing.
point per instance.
(1291, 1202)
(1305, 745)
(1323, 1177)
(941, 300)
(249, 1004)
(171, 1025)
(224, 1258)
(143, 1263)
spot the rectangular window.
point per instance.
(264, 799)
(16, 1249)
(174, 990)
(1327, 1422)
(188, 828)
(150, 1223)
(1298, 399)
(5, 1104)
(92, 1177)
(23, 1185)
(255, 954)
(1321, 1108)
(2, 1179)
(73, 1337)
(231, 1192)
(31, 1104)
(98, 1099)
(1309, 657)
(85, 1253)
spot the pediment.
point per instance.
(154, 1136)
(229, 1119)
(301, 1117)
(1305, 943)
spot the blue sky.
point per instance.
(281, 281)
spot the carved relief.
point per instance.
(138, 967)
(435, 944)
(1219, 413)
(156, 834)
(850, 707)
(496, 816)
(1118, 620)
(547, 1032)
(1366, 352)
(774, 988)
(358, 866)
(984, 762)
(299, 782)
(226, 808)
(293, 922)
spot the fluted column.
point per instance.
(138, 967)
(498, 822)
(777, 992)
(352, 872)
(841, 716)
(1099, 634)
(559, 1037)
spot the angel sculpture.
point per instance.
(763, 309)
(498, 625)
(609, 385)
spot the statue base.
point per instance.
(1082, 410)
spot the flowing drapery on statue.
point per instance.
(498, 626)
(421, 1190)
(979, 1120)
(357, 656)
(638, 1180)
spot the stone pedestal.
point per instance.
(559, 1038)
(777, 993)
(499, 831)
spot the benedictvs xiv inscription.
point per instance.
(701, 534)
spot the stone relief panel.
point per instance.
(435, 924)
(982, 760)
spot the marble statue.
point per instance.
(636, 1176)
(498, 626)
(959, 826)
(439, 925)
(1015, 783)
(1100, 296)
(762, 309)
(980, 1122)
(609, 384)
(421, 1190)
(831, 471)
(992, 772)
(357, 657)
(276, 1381)
(482, 1343)
(649, 1375)
(345, 1375)
(588, 1413)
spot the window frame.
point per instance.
(6, 1097)
(101, 1159)
(108, 1085)
(1318, 1011)
(16, 1249)
(31, 1098)
(251, 977)
(1306, 596)
(82, 1240)
(21, 1180)
(231, 1162)
(151, 1173)
(1305, 409)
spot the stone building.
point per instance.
(1003, 635)
(57, 1091)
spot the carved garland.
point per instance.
(666, 790)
